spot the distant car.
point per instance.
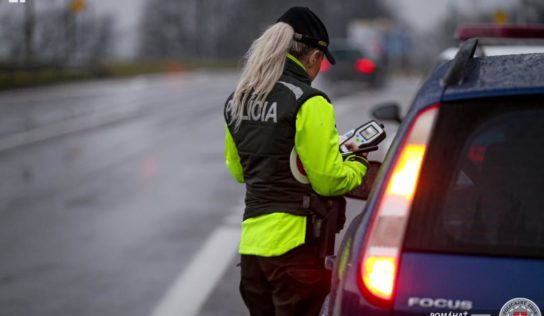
(454, 224)
(353, 63)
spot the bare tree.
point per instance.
(50, 34)
(225, 28)
(530, 11)
(95, 37)
(54, 34)
(166, 29)
(12, 44)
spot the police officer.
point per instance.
(274, 112)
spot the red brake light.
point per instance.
(379, 275)
(380, 257)
(325, 65)
(365, 66)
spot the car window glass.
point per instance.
(481, 186)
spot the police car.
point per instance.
(454, 224)
(498, 40)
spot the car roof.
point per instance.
(488, 76)
(496, 50)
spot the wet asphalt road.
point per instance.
(112, 190)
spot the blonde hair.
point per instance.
(264, 65)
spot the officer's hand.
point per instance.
(353, 147)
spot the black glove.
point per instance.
(358, 158)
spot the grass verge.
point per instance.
(13, 77)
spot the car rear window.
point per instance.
(481, 189)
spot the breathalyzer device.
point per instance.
(365, 138)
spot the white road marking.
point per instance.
(198, 279)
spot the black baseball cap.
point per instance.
(308, 29)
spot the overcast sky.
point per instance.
(425, 14)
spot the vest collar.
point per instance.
(295, 69)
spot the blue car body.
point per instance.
(443, 282)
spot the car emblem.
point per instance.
(520, 307)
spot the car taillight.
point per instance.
(325, 65)
(380, 257)
(365, 66)
(403, 180)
